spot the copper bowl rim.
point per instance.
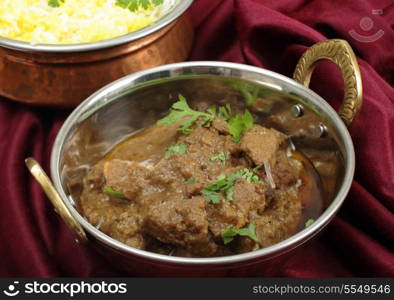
(105, 96)
(164, 21)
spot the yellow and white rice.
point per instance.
(75, 21)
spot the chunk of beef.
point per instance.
(206, 138)
(223, 215)
(126, 177)
(280, 221)
(193, 188)
(248, 197)
(180, 222)
(94, 178)
(220, 125)
(202, 144)
(286, 170)
(283, 175)
(261, 143)
(166, 172)
(230, 146)
(126, 228)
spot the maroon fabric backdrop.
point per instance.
(267, 33)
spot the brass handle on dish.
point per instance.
(46, 184)
(340, 53)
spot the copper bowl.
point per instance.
(64, 75)
(138, 100)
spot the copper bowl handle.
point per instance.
(339, 52)
(46, 184)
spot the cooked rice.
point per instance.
(73, 22)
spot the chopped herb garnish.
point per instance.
(55, 3)
(239, 123)
(134, 5)
(309, 222)
(211, 196)
(212, 112)
(229, 193)
(212, 192)
(229, 234)
(250, 176)
(256, 168)
(109, 190)
(246, 174)
(226, 184)
(180, 111)
(179, 148)
(225, 112)
(191, 180)
(248, 91)
(222, 156)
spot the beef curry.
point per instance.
(202, 184)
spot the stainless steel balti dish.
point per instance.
(139, 100)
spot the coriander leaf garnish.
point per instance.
(309, 222)
(212, 192)
(180, 111)
(239, 123)
(251, 96)
(191, 180)
(246, 174)
(229, 234)
(226, 185)
(229, 193)
(211, 196)
(109, 190)
(225, 112)
(157, 2)
(212, 112)
(256, 168)
(55, 3)
(250, 176)
(133, 5)
(178, 148)
(248, 91)
(222, 156)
